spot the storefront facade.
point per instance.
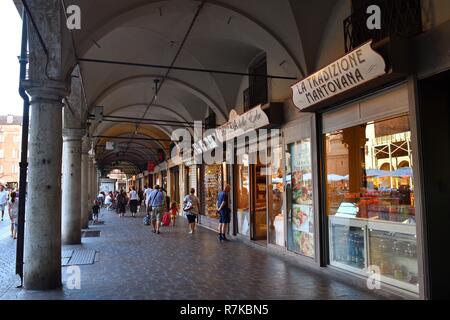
(347, 188)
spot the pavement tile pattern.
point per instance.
(132, 263)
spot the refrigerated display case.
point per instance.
(362, 246)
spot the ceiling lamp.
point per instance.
(156, 81)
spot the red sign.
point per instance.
(151, 166)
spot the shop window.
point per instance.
(213, 185)
(370, 201)
(243, 197)
(275, 198)
(300, 225)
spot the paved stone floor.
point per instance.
(7, 255)
(134, 263)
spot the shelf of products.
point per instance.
(395, 254)
(391, 248)
(348, 246)
(213, 185)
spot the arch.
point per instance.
(147, 77)
(110, 22)
(403, 164)
(175, 114)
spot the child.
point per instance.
(173, 213)
(95, 211)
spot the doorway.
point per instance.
(258, 204)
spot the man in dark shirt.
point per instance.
(224, 212)
(95, 211)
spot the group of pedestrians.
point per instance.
(10, 201)
(154, 200)
(159, 207)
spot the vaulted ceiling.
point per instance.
(227, 35)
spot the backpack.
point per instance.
(146, 220)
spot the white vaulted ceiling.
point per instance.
(227, 35)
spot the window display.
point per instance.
(370, 200)
(260, 206)
(276, 216)
(300, 199)
(213, 185)
(243, 198)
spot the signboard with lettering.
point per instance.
(151, 166)
(357, 67)
(236, 126)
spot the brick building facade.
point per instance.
(10, 146)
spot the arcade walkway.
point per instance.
(133, 263)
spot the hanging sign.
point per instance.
(357, 67)
(241, 124)
(151, 166)
(236, 126)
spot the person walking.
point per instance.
(101, 198)
(133, 201)
(3, 199)
(156, 204)
(224, 212)
(109, 201)
(147, 192)
(13, 208)
(95, 211)
(121, 203)
(173, 213)
(191, 208)
(141, 198)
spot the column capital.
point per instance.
(50, 91)
(70, 134)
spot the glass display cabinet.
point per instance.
(363, 246)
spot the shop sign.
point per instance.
(357, 67)
(236, 126)
(151, 166)
(241, 124)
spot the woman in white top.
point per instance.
(133, 201)
(13, 207)
(108, 201)
(191, 209)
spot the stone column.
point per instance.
(71, 186)
(85, 188)
(42, 254)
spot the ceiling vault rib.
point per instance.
(134, 138)
(106, 118)
(157, 66)
(179, 125)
